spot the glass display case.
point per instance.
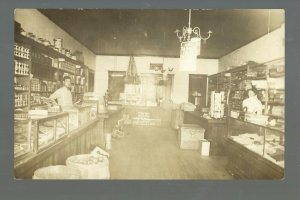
(22, 137)
(49, 129)
(78, 115)
(264, 140)
(35, 133)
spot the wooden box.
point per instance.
(189, 136)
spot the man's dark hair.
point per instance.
(66, 77)
(253, 89)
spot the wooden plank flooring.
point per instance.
(149, 152)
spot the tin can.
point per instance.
(68, 53)
(58, 43)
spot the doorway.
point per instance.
(198, 89)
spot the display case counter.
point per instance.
(215, 130)
(79, 141)
(78, 115)
(49, 129)
(35, 133)
(255, 151)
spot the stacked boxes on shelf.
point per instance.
(67, 66)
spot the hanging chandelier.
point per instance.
(188, 32)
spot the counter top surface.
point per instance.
(42, 117)
(208, 120)
(275, 128)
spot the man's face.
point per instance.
(67, 83)
(251, 93)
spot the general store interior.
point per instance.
(148, 105)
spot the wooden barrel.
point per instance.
(57, 172)
(90, 166)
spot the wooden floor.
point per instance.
(149, 152)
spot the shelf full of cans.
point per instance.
(37, 85)
(21, 68)
(59, 63)
(67, 66)
(37, 99)
(262, 76)
(79, 80)
(79, 89)
(21, 51)
(22, 71)
(21, 100)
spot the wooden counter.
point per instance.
(107, 121)
(246, 164)
(80, 141)
(215, 130)
(155, 112)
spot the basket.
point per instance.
(90, 166)
(57, 172)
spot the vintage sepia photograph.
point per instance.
(149, 94)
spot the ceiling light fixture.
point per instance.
(190, 46)
(189, 32)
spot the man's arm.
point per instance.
(54, 96)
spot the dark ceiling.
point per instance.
(151, 32)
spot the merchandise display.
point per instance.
(78, 115)
(264, 140)
(35, 132)
(217, 105)
(270, 88)
(39, 69)
(223, 120)
(21, 52)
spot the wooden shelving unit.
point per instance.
(232, 81)
(42, 62)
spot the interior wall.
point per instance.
(35, 22)
(181, 79)
(268, 47)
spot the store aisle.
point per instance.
(153, 153)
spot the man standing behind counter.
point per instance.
(63, 95)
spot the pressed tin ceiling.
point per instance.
(151, 31)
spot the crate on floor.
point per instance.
(189, 136)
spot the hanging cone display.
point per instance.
(131, 74)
